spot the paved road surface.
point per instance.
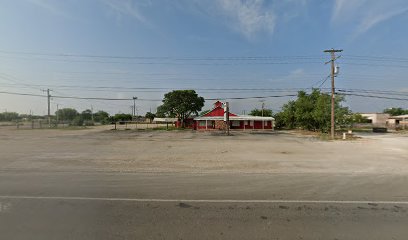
(114, 205)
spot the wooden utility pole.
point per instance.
(333, 91)
(134, 107)
(57, 115)
(92, 114)
(226, 116)
(49, 107)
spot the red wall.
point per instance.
(217, 112)
(257, 125)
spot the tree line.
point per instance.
(310, 111)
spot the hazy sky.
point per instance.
(109, 48)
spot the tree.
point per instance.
(122, 117)
(101, 117)
(181, 104)
(202, 113)
(87, 115)
(66, 114)
(150, 116)
(161, 112)
(9, 116)
(77, 121)
(358, 118)
(260, 112)
(312, 112)
(395, 111)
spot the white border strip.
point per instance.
(200, 200)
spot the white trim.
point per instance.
(238, 118)
(168, 120)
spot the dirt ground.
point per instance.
(101, 149)
(98, 183)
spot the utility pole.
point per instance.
(333, 59)
(226, 116)
(263, 106)
(134, 106)
(92, 114)
(57, 113)
(131, 109)
(49, 107)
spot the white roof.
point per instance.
(400, 117)
(237, 118)
(170, 120)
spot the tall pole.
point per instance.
(57, 113)
(333, 90)
(134, 106)
(92, 114)
(227, 116)
(49, 107)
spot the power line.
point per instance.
(219, 58)
(375, 58)
(373, 96)
(374, 65)
(209, 63)
(22, 94)
(395, 93)
(343, 92)
(256, 97)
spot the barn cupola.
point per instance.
(218, 104)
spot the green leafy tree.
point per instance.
(312, 112)
(122, 117)
(161, 112)
(87, 115)
(182, 104)
(150, 116)
(260, 112)
(9, 116)
(286, 118)
(358, 118)
(395, 111)
(101, 117)
(67, 114)
(77, 121)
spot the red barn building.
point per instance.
(215, 120)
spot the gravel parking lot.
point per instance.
(101, 184)
(200, 152)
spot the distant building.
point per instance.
(399, 121)
(164, 120)
(377, 119)
(214, 120)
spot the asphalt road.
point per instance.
(136, 205)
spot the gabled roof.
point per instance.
(218, 114)
(217, 111)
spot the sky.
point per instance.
(224, 49)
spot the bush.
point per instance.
(89, 123)
(78, 121)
